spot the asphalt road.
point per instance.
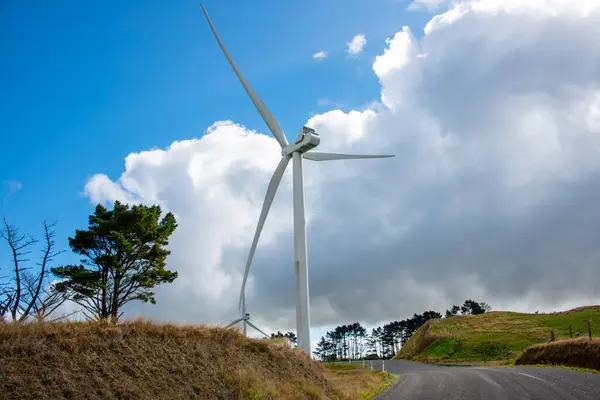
(429, 382)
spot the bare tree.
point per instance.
(6, 299)
(28, 293)
(19, 246)
(44, 302)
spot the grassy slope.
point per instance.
(356, 382)
(582, 353)
(494, 335)
(140, 360)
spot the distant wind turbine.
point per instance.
(245, 319)
(296, 151)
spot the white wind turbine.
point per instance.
(245, 319)
(296, 151)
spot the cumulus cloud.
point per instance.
(356, 45)
(319, 55)
(494, 116)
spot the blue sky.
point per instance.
(86, 83)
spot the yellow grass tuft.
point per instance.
(354, 381)
(142, 360)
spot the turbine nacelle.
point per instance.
(307, 139)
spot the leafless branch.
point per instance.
(6, 298)
(19, 245)
(27, 296)
(46, 301)
(64, 316)
(43, 302)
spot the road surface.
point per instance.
(429, 382)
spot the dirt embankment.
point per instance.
(582, 353)
(141, 360)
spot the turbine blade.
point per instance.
(265, 113)
(234, 322)
(271, 190)
(319, 156)
(254, 326)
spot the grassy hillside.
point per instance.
(494, 336)
(582, 353)
(141, 360)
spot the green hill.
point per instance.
(496, 335)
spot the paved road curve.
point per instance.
(429, 382)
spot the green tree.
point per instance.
(453, 311)
(471, 307)
(427, 315)
(485, 307)
(289, 335)
(123, 259)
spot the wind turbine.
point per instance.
(296, 151)
(245, 319)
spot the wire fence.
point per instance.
(576, 334)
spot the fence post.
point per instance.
(552, 336)
(590, 328)
(371, 366)
(382, 366)
(571, 331)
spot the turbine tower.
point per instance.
(296, 151)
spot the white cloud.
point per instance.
(319, 55)
(426, 4)
(357, 44)
(494, 116)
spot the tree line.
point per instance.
(353, 342)
(122, 258)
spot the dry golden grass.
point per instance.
(582, 353)
(141, 360)
(355, 382)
